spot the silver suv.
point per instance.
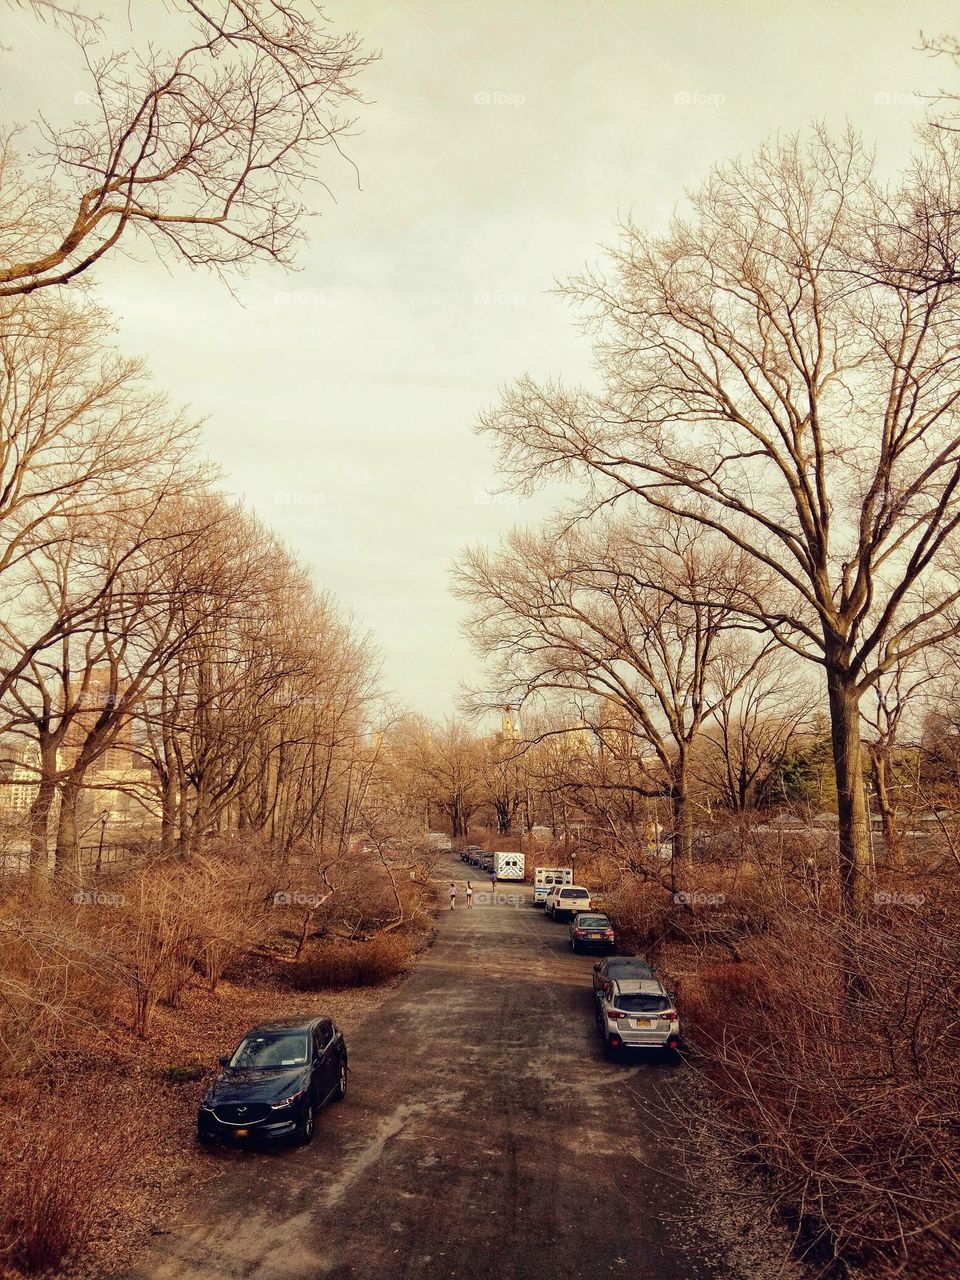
(637, 1014)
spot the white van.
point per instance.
(544, 878)
(508, 864)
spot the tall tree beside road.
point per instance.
(757, 380)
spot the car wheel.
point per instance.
(341, 1089)
(305, 1128)
(609, 1052)
(205, 1139)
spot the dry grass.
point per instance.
(339, 963)
(68, 1172)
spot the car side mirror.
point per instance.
(224, 1060)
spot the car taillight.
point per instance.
(579, 933)
(617, 1013)
(669, 1014)
(609, 934)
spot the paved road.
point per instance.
(483, 1135)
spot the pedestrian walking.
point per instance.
(453, 895)
(469, 895)
(493, 884)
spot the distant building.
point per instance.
(99, 694)
(509, 725)
(19, 779)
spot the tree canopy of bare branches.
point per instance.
(758, 382)
(202, 151)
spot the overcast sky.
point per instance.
(500, 144)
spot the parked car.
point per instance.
(565, 900)
(485, 861)
(273, 1082)
(544, 878)
(626, 966)
(468, 852)
(592, 932)
(637, 1014)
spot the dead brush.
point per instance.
(834, 1052)
(66, 1176)
(341, 963)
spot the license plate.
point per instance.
(594, 937)
(241, 1133)
(640, 1022)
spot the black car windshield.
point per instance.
(592, 922)
(640, 1003)
(271, 1049)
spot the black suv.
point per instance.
(273, 1081)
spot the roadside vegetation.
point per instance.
(734, 655)
(724, 676)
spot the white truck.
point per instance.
(508, 864)
(544, 878)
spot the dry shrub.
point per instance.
(58, 972)
(66, 1179)
(340, 963)
(836, 1053)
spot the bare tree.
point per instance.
(755, 725)
(619, 623)
(756, 382)
(203, 151)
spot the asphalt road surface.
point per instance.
(483, 1135)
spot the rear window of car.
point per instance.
(592, 922)
(640, 1003)
(630, 969)
(574, 893)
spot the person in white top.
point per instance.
(469, 895)
(453, 895)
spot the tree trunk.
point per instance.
(503, 810)
(41, 808)
(682, 820)
(67, 855)
(880, 762)
(851, 801)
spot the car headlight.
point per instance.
(288, 1102)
